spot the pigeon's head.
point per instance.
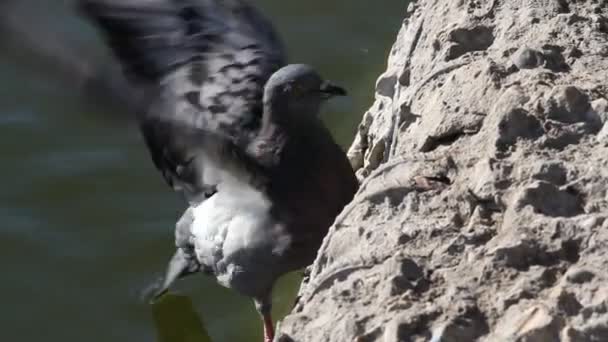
(298, 90)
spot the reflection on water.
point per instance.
(176, 320)
(86, 220)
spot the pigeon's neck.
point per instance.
(280, 124)
(279, 114)
(281, 131)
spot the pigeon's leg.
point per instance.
(268, 328)
(264, 307)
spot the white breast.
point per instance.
(235, 236)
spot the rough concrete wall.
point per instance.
(484, 162)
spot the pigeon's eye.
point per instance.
(295, 89)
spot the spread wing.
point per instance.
(203, 65)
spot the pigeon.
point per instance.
(237, 132)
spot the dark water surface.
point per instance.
(86, 221)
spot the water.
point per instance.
(87, 222)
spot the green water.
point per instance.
(87, 222)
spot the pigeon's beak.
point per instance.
(329, 90)
(180, 266)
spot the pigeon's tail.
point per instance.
(153, 38)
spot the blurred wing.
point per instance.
(203, 64)
(29, 39)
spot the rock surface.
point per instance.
(483, 210)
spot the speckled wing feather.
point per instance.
(203, 65)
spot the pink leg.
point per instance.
(268, 328)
